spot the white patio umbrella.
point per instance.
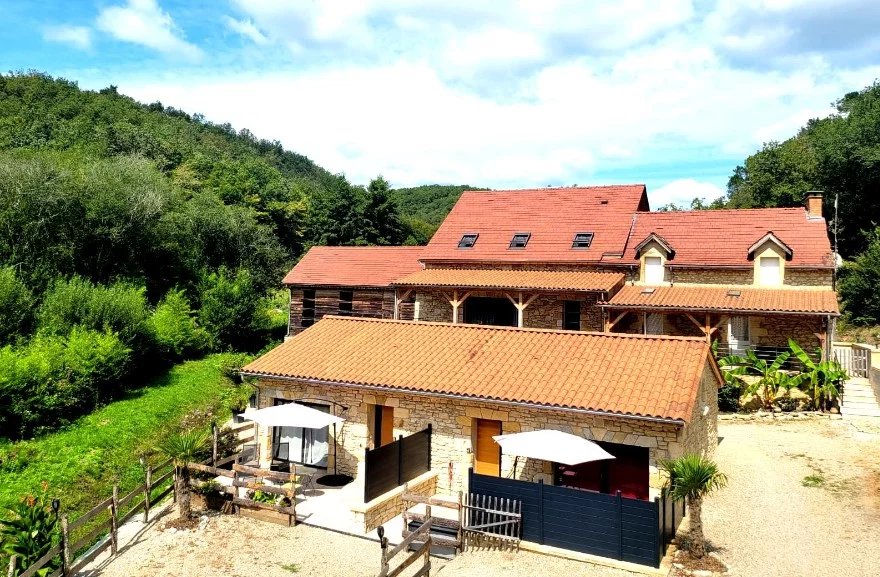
(552, 445)
(292, 415)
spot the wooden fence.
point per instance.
(83, 533)
(596, 523)
(390, 466)
(421, 536)
(492, 521)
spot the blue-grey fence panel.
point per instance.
(584, 521)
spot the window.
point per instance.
(345, 303)
(301, 445)
(653, 270)
(571, 315)
(770, 271)
(738, 335)
(582, 240)
(308, 308)
(468, 240)
(653, 324)
(520, 240)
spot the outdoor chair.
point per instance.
(249, 455)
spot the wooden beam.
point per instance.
(694, 320)
(609, 324)
(399, 299)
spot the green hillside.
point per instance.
(424, 207)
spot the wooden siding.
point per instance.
(366, 302)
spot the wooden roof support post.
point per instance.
(609, 323)
(708, 329)
(456, 302)
(520, 305)
(399, 299)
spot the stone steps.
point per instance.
(860, 399)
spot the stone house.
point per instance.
(593, 259)
(471, 382)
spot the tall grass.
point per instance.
(81, 463)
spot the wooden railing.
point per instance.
(421, 535)
(81, 533)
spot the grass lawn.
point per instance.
(81, 462)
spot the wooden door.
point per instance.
(383, 426)
(487, 455)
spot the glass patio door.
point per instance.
(301, 445)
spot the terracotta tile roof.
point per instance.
(720, 298)
(632, 375)
(591, 281)
(552, 215)
(357, 266)
(724, 237)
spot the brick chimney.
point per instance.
(814, 204)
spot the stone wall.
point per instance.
(388, 506)
(453, 429)
(544, 312)
(774, 331)
(701, 434)
(793, 276)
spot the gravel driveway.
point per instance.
(803, 498)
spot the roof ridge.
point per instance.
(719, 210)
(512, 329)
(559, 188)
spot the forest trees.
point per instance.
(839, 155)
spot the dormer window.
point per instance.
(653, 270)
(468, 240)
(582, 240)
(520, 240)
(770, 271)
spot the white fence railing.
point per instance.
(854, 357)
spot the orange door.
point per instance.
(487, 455)
(386, 429)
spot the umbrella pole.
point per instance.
(335, 464)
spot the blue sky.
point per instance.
(673, 94)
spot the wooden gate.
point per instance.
(422, 536)
(491, 521)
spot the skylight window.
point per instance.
(520, 240)
(468, 240)
(734, 293)
(582, 240)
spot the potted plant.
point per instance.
(209, 495)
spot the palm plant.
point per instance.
(183, 447)
(693, 477)
(824, 377)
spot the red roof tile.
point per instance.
(551, 215)
(356, 266)
(643, 376)
(723, 298)
(723, 237)
(589, 281)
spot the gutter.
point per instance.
(593, 413)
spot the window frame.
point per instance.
(777, 280)
(567, 314)
(582, 244)
(307, 317)
(463, 242)
(346, 305)
(525, 242)
(648, 279)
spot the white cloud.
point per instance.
(247, 29)
(144, 22)
(682, 191)
(76, 36)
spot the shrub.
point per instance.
(53, 379)
(229, 309)
(119, 307)
(174, 330)
(16, 306)
(728, 398)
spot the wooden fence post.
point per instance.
(114, 520)
(293, 490)
(383, 545)
(12, 563)
(215, 435)
(65, 546)
(148, 490)
(174, 484)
